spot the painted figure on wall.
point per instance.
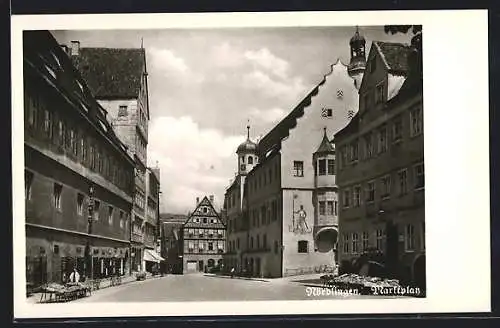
(300, 223)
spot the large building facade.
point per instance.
(287, 221)
(71, 155)
(118, 79)
(171, 242)
(381, 168)
(203, 238)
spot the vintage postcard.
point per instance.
(258, 163)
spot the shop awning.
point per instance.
(152, 256)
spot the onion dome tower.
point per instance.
(357, 65)
(247, 155)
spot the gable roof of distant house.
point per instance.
(394, 55)
(112, 73)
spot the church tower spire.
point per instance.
(357, 64)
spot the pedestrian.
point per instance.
(232, 272)
(74, 276)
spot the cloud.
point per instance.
(265, 59)
(267, 115)
(226, 55)
(167, 62)
(287, 89)
(193, 162)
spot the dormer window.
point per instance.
(379, 94)
(373, 64)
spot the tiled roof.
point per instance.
(325, 146)
(281, 130)
(112, 72)
(44, 55)
(394, 55)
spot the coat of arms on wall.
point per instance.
(299, 219)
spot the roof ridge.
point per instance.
(377, 46)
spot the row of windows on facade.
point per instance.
(352, 196)
(201, 246)
(377, 142)
(351, 242)
(203, 233)
(258, 217)
(80, 200)
(262, 178)
(234, 245)
(80, 146)
(205, 220)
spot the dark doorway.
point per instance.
(200, 265)
(392, 248)
(419, 268)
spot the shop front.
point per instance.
(152, 261)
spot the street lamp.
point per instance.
(90, 262)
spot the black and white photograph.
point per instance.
(233, 164)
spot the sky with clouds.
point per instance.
(205, 84)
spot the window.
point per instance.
(322, 167)
(47, 123)
(355, 241)
(250, 160)
(33, 112)
(409, 237)
(329, 207)
(200, 232)
(354, 151)
(347, 198)
(83, 144)
(205, 220)
(321, 208)
(61, 132)
(419, 176)
(210, 246)
(242, 159)
(382, 140)
(365, 241)
(92, 157)
(251, 242)
(379, 95)
(402, 177)
(97, 205)
(366, 100)
(121, 219)
(238, 243)
(205, 210)
(335, 207)
(79, 204)
(380, 239)
(386, 187)
(326, 112)
(331, 167)
(356, 195)
(72, 140)
(343, 154)
(345, 244)
(303, 246)
(416, 121)
(298, 168)
(57, 195)
(122, 111)
(370, 192)
(28, 181)
(373, 64)
(190, 246)
(368, 146)
(110, 215)
(397, 133)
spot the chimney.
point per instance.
(211, 197)
(197, 200)
(75, 48)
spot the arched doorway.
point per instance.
(211, 263)
(419, 274)
(326, 239)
